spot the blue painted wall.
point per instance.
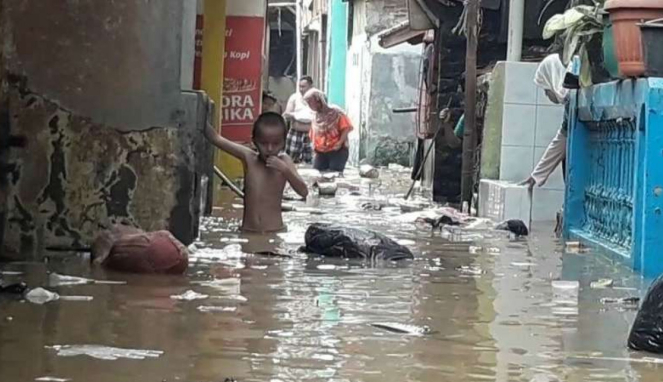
(338, 48)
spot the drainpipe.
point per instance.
(516, 21)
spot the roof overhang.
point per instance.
(399, 34)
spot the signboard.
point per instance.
(242, 76)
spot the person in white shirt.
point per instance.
(300, 116)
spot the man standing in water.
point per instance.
(300, 116)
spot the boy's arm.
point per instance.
(287, 167)
(235, 149)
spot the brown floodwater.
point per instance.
(493, 312)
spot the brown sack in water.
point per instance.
(128, 249)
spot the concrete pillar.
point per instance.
(189, 13)
(516, 21)
(214, 37)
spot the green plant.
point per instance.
(577, 26)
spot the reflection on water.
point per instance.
(496, 311)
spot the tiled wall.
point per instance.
(529, 123)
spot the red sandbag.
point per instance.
(127, 249)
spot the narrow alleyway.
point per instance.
(490, 308)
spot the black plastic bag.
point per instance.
(647, 330)
(351, 243)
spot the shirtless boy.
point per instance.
(266, 172)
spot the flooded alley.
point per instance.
(489, 310)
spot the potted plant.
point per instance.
(581, 28)
(625, 16)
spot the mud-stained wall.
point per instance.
(117, 62)
(95, 88)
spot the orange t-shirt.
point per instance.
(327, 141)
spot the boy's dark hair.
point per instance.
(272, 119)
(308, 79)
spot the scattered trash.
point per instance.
(128, 249)
(601, 284)
(109, 282)
(474, 250)
(647, 330)
(218, 309)
(234, 240)
(406, 242)
(326, 188)
(41, 296)
(326, 267)
(407, 207)
(234, 298)
(336, 241)
(493, 250)
(273, 254)
(312, 200)
(77, 298)
(575, 247)
(403, 328)
(368, 171)
(565, 292)
(516, 227)
(16, 288)
(371, 206)
(190, 296)
(621, 301)
(56, 280)
(103, 352)
(230, 286)
(396, 167)
(523, 264)
(10, 273)
(471, 270)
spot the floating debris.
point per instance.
(51, 379)
(77, 298)
(575, 247)
(368, 171)
(406, 242)
(41, 296)
(220, 309)
(109, 282)
(395, 327)
(475, 250)
(326, 267)
(565, 292)
(621, 301)
(105, 353)
(57, 280)
(601, 284)
(326, 188)
(16, 288)
(189, 296)
(234, 240)
(523, 264)
(471, 270)
(10, 273)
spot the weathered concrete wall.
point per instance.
(116, 62)
(95, 87)
(384, 14)
(394, 83)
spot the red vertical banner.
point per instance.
(198, 59)
(242, 76)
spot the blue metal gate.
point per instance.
(614, 195)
